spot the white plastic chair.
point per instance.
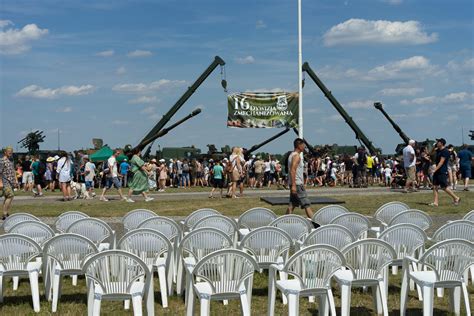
(118, 275)
(96, 230)
(195, 246)
(18, 258)
(446, 262)
(416, 217)
(332, 234)
(312, 268)
(38, 231)
(195, 216)
(220, 222)
(356, 223)
(268, 245)
(65, 220)
(469, 216)
(63, 255)
(254, 218)
(327, 213)
(222, 275)
(16, 218)
(296, 226)
(386, 212)
(365, 262)
(155, 249)
(132, 219)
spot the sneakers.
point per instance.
(129, 200)
(148, 199)
(103, 199)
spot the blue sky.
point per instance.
(110, 69)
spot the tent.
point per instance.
(104, 153)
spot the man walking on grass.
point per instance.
(409, 162)
(112, 177)
(465, 161)
(298, 196)
(440, 176)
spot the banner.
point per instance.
(262, 110)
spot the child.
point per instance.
(388, 176)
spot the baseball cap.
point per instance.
(442, 140)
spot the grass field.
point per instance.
(73, 300)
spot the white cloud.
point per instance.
(121, 70)
(17, 41)
(4, 23)
(144, 88)
(260, 24)
(360, 31)
(245, 60)
(148, 110)
(119, 122)
(402, 68)
(106, 53)
(144, 99)
(420, 101)
(360, 104)
(465, 65)
(139, 53)
(455, 98)
(34, 91)
(66, 109)
(400, 91)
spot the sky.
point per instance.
(111, 69)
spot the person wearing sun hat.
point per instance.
(440, 176)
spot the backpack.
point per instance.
(185, 167)
(361, 158)
(41, 168)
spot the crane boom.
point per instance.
(403, 136)
(358, 132)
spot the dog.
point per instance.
(79, 190)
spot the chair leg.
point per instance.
(455, 300)
(293, 304)
(404, 293)
(377, 300)
(1, 289)
(249, 290)
(170, 276)
(56, 281)
(126, 304)
(465, 294)
(74, 280)
(332, 305)
(137, 305)
(471, 268)
(205, 306)
(245, 304)
(190, 301)
(271, 293)
(428, 297)
(97, 302)
(150, 299)
(345, 300)
(394, 270)
(383, 297)
(35, 290)
(283, 276)
(16, 281)
(323, 306)
(163, 287)
(179, 278)
(90, 299)
(440, 292)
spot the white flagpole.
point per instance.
(300, 74)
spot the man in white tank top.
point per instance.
(298, 196)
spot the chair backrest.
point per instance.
(147, 244)
(386, 212)
(164, 225)
(65, 220)
(132, 219)
(115, 271)
(469, 216)
(412, 216)
(356, 223)
(314, 266)
(38, 231)
(449, 259)
(405, 239)
(460, 229)
(294, 225)
(256, 217)
(368, 257)
(16, 251)
(220, 222)
(327, 213)
(267, 245)
(93, 228)
(192, 218)
(15, 218)
(332, 234)
(225, 270)
(68, 250)
(201, 242)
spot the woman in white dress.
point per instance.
(64, 175)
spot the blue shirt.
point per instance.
(440, 154)
(124, 166)
(465, 158)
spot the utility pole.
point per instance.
(300, 74)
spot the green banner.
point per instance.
(262, 110)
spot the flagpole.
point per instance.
(300, 75)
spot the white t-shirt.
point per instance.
(407, 152)
(388, 172)
(333, 172)
(112, 164)
(90, 167)
(267, 166)
(64, 169)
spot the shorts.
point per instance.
(452, 168)
(198, 175)
(218, 183)
(27, 177)
(465, 171)
(259, 176)
(39, 180)
(369, 171)
(441, 180)
(109, 181)
(251, 175)
(89, 185)
(7, 192)
(410, 172)
(300, 198)
(320, 173)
